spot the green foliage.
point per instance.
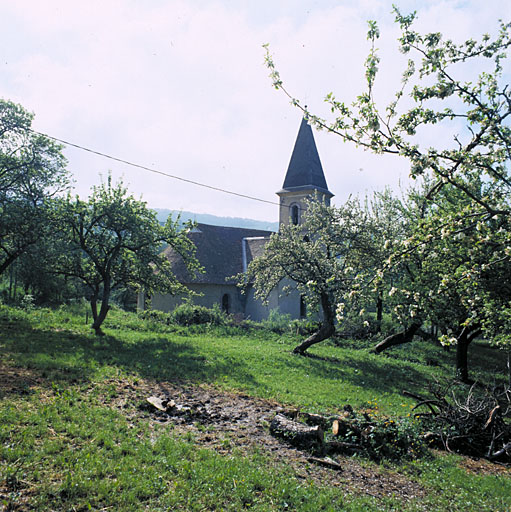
(32, 171)
(281, 323)
(27, 302)
(458, 249)
(277, 322)
(384, 438)
(114, 241)
(156, 315)
(365, 326)
(192, 314)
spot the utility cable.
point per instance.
(155, 171)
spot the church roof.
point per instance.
(305, 169)
(221, 251)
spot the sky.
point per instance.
(181, 87)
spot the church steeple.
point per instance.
(304, 178)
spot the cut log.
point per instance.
(315, 419)
(297, 434)
(342, 426)
(311, 418)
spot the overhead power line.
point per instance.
(155, 171)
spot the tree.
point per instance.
(32, 170)
(317, 258)
(112, 241)
(390, 224)
(459, 88)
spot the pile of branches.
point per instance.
(350, 433)
(476, 422)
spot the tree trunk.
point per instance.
(9, 261)
(326, 330)
(398, 339)
(103, 311)
(379, 311)
(94, 307)
(463, 341)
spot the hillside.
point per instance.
(77, 433)
(215, 220)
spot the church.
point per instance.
(226, 251)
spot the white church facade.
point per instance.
(226, 251)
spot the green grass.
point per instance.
(79, 454)
(62, 448)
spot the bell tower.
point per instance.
(304, 178)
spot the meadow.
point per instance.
(75, 433)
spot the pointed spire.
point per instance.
(305, 170)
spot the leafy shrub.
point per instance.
(277, 322)
(382, 438)
(395, 440)
(191, 314)
(303, 326)
(155, 315)
(281, 322)
(125, 298)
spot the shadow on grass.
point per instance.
(395, 370)
(63, 356)
(379, 374)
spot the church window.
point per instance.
(226, 303)
(295, 214)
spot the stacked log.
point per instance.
(297, 434)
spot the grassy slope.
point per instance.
(61, 444)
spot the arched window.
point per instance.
(295, 214)
(226, 303)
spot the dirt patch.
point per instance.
(18, 381)
(226, 421)
(485, 467)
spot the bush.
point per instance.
(277, 322)
(381, 438)
(191, 314)
(155, 315)
(303, 326)
(27, 302)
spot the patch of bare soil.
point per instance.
(485, 467)
(228, 421)
(17, 380)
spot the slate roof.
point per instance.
(219, 250)
(255, 247)
(305, 169)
